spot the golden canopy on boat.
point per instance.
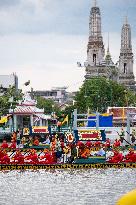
(128, 199)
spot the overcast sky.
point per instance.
(41, 40)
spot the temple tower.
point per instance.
(126, 75)
(95, 49)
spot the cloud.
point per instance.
(48, 60)
(42, 40)
(62, 17)
(42, 16)
(8, 3)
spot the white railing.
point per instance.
(5, 130)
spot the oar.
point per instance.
(133, 137)
(125, 139)
(127, 142)
(12, 153)
(26, 152)
(40, 153)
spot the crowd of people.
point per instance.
(18, 151)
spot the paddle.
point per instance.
(40, 153)
(133, 137)
(12, 153)
(124, 138)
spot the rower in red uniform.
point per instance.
(131, 156)
(117, 158)
(117, 143)
(4, 144)
(47, 157)
(80, 144)
(5, 159)
(18, 158)
(107, 143)
(88, 144)
(13, 144)
(1, 154)
(97, 144)
(33, 157)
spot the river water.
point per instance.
(64, 187)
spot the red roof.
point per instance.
(26, 110)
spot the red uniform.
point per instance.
(107, 144)
(33, 158)
(36, 142)
(116, 143)
(18, 158)
(5, 159)
(130, 157)
(117, 158)
(1, 154)
(80, 144)
(97, 144)
(4, 145)
(54, 158)
(13, 145)
(48, 159)
(88, 144)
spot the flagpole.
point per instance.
(123, 115)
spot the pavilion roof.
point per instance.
(22, 109)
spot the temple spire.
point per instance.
(108, 58)
(126, 35)
(126, 20)
(95, 3)
(126, 74)
(95, 48)
(108, 49)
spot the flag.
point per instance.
(123, 114)
(4, 119)
(65, 120)
(105, 114)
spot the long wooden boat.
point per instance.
(67, 166)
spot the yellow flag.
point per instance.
(123, 114)
(105, 114)
(65, 120)
(3, 120)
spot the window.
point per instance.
(94, 58)
(125, 68)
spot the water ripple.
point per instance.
(64, 187)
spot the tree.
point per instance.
(48, 104)
(99, 93)
(9, 99)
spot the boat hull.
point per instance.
(66, 166)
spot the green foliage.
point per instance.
(9, 99)
(99, 93)
(48, 104)
(68, 111)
